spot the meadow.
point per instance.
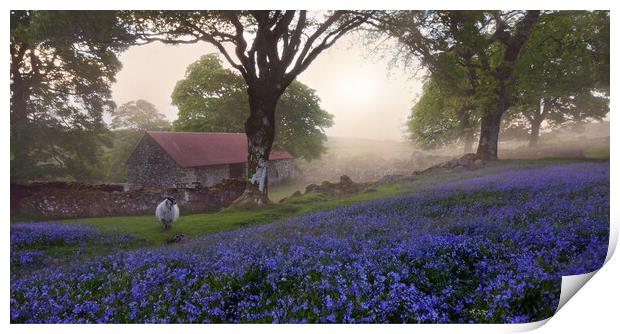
(471, 247)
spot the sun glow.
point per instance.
(356, 88)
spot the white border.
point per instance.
(593, 309)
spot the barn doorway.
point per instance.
(236, 170)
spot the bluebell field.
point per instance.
(28, 241)
(486, 249)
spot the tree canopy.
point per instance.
(62, 65)
(562, 74)
(212, 98)
(139, 116)
(483, 45)
(270, 48)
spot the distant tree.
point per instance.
(268, 48)
(129, 122)
(563, 71)
(441, 118)
(214, 99)
(62, 65)
(483, 44)
(138, 116)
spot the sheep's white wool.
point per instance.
(167, 213)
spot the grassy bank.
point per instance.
(146, 227)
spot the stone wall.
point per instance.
(63, 202)
(150, 166)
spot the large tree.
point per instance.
(563, 71)
(212, 98)
(268, 48)
(484, 44)
(62, 65)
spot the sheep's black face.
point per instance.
(171, 201)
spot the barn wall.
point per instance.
(149, 166)
(210, 175)
(278, 171)
(281, 170)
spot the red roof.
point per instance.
(193, 149)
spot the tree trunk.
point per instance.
(260, 130)
(20, 139)
(468, 141)
(534, 131)
(489, 135)
(467, 132)
(536, 121)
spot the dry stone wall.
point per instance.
(67, 202)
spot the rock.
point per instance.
(312, 188)
(345, 186)
(326, 184)
(345, 180)
(295, 194)
(468, 161)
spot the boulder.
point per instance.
(345, 186)
(468, 161)
(312, 188)
(345, 180)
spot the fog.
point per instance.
(370, 101)
(365, 160)
(368, 98)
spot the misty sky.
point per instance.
(354, 86)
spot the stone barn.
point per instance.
(182, 159)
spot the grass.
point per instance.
(598, 152)
(280, 191)
(147, 229)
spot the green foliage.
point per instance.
(213, 99)
(496, 60)
(62, 66)
(481, 46)
(112, 160)
(440, 117)
(564, 69)
(139, 116)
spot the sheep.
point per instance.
(167, 212)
